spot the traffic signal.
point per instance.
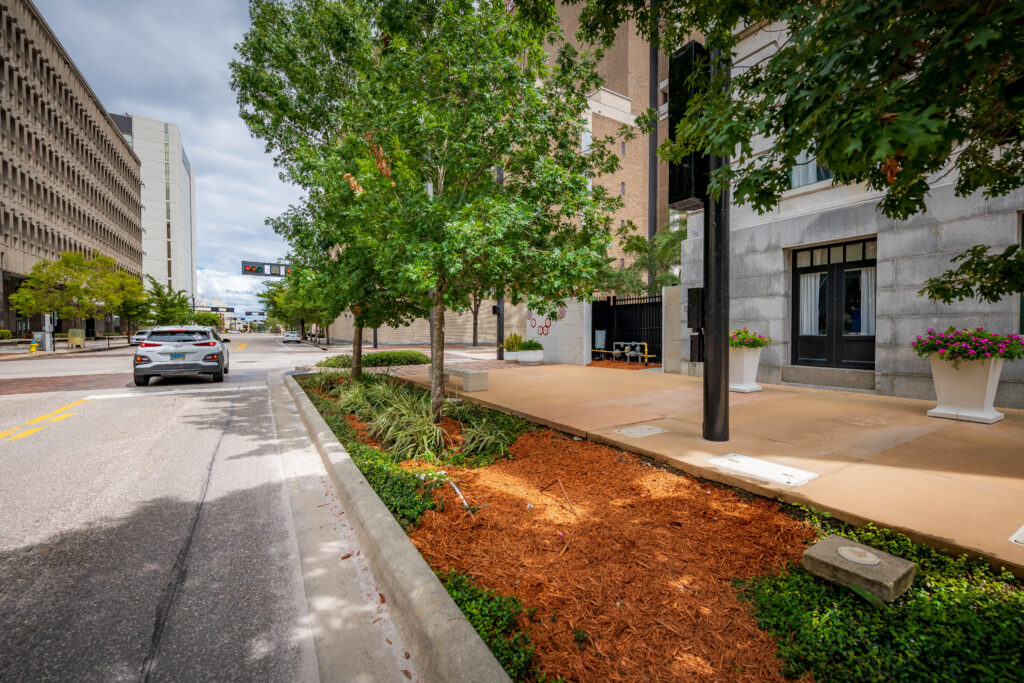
(265, 269)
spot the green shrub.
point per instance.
(5, 334)
(531, 345)
(495, 618)
(960, 621)
(60, 335)
(513, 342)
(325, 381)
(407, 494)
(378, 359)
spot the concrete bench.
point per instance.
(472, 380)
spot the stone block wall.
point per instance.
(565, 335)
(458, 328)
(909, 252)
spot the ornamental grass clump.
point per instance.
(745, 339)
(955, 345)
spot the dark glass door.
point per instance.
(834, 305)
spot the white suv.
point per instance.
(181, 349)
(292, 336)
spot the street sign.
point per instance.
(265, 269)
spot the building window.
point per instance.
(807, 172)
(168, 205)
(622, 189)
(834, 305)
(168, 272)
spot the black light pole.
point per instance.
(716, 302)
(501, 296)
(652, 142)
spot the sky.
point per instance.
(169, 61)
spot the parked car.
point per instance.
(181, 349)
(292, 336)
(139, 337)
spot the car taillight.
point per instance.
(142, 359)
(210, 343)
(150, 344)
(211, 356)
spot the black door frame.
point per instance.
(835, 339)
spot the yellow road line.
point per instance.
(27, 432)
(242, 346)
(9, 432)
(60, 417)
(43, 418)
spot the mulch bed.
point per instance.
(622, 365)
(628, 566)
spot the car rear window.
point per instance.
(179, 336)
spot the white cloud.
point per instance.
(169, 61)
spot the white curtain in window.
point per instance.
(809, 303)
(867, 301)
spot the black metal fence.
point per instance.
(627, 319)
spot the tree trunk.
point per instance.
(437, 361)
(302, 329)
(357, 352)
(477, 300)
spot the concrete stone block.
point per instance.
(913, 386)
(756, 285)
(997, 230)
(758, 263)
(909, 241)
(759, 307)
(943, 205)
(912, 271)
(900, 301)
(1014, 201)
(849, 563)
(885, 273)
(1010, 393)
(829, 377)
(883, 330)
(753, 239)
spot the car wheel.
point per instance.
(225, 369)
(141, 381)
(218, 376)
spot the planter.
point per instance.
(743, 370)
(531, 357)
(966, 393)
(512, 355)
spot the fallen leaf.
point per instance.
(346, 556)
(382, 600)
(407, 674)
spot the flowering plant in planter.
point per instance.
(955, 345)
(745, 339)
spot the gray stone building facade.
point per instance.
(834, 282)
(70, 182)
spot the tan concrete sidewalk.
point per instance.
(952, 484)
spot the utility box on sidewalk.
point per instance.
(76, 337)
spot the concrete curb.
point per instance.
(443, 643)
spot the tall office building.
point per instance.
(70, 182)
(168, 201)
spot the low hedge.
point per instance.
(6, 334)
(960, 621)
(378, 359)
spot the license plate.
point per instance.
(177, 356)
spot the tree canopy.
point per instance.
(896, 94)
(401, 147)
(168, 306)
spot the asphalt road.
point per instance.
(149, 533)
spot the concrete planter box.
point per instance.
(743, 370)
(531, 357)
(966, 393)
(512, 355)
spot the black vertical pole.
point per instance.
(501, 326)
(652, 141)
(716, 302)
(501, 296)
(375, 337)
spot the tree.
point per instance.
(427, 107)
(73, 286)
(168, 306)
(652, 264)
(896, 94)
(125, 297)
(207, 318)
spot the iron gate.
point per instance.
(627, 319)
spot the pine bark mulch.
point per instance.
(628, 566)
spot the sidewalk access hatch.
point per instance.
(640, 430)
(763, 469)
(1018, 536)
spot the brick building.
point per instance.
(70, 180)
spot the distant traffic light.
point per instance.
(265, 269)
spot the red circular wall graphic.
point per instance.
(561, 311)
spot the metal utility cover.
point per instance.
(1018, 536)
(640, 430)
(763, 469)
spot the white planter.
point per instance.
(512, 355)
(966, 393)
(743, 370)
(531, 357)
